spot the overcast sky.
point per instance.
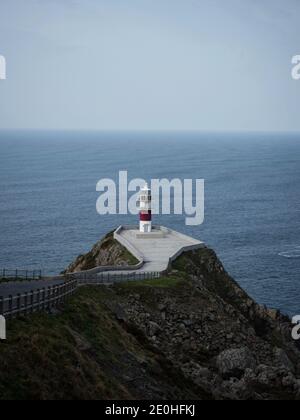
(150, 64)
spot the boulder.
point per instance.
(153, 328)
(283, 360)
(234, 362)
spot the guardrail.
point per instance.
(6, 274)
(107, 278)
(36, 300)
(49, 297)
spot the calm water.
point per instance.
(48, 196)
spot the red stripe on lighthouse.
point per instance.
(146, 216)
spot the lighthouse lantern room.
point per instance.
(145, 210)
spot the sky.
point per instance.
(209, 65)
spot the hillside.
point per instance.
(194, 334)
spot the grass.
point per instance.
(181, 263)
(83, 353)
(70, 351)
(162, 282)
(109, 241)
(128, 257)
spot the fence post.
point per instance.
(49, 298)
(61, 293)
(53, 297)
(25, 302)
(57, 295)
(43, 298)
(32, 301)
(10, 305)
(18, 303)
(38, 299)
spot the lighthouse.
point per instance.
(145, 210)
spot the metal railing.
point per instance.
(48, 297)
(107, 277)
(6, 274)
(36, 300)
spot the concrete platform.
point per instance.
(155, 250)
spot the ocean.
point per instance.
(252, 200)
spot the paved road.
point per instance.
(15, 287)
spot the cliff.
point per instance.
(194, 334)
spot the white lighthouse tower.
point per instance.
(145, 210)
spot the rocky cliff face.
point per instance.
(193, 334)
(105, 252)
(211, 330)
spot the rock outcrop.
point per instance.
(233, 363)
(106, 252)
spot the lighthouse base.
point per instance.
(155, 233)
(145, 227)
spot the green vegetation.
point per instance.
(84, 353)
(162, 282)
(109, 242)
(128, 257)
(181, 263)
(56, 345)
